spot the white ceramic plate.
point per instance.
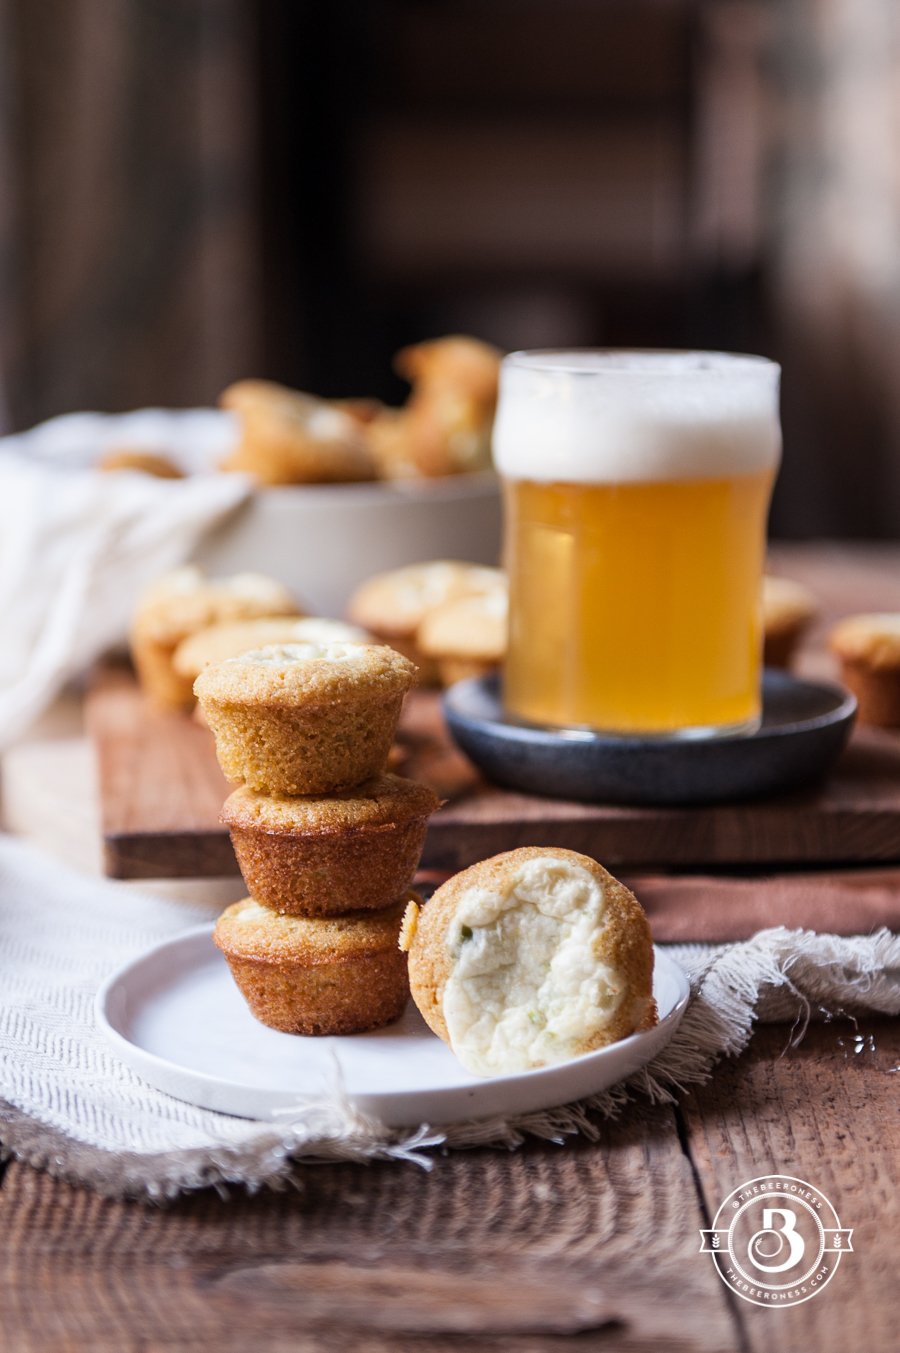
(175, 1017)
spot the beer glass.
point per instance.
(636, 491)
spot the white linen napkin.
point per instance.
(67, 1104)
(77, 545)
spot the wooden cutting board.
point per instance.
(161, 791)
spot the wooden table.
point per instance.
(587, 1246)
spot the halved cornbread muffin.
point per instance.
(530, 958)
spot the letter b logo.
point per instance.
(771, 1256)
(766, 1248)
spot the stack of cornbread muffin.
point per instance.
(327, 841)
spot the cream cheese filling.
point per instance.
(527, 987)
(282, 655)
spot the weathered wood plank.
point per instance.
(161, 792)
(826, 1112)
(155, 770)
(492, 1250)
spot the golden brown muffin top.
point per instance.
(786, 605)
(186, 600)
(300, 674)
(228, 640)
(250, 931)
(873, 640)
(397, 601)
(529, 958)
(382, 801)
(469, 627)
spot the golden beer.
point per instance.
(635, 587)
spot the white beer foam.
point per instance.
(622, 417)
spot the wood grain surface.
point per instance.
(161, 792)
(159, 785)
(591, 1246)
(594, 1246)
(826, 1112)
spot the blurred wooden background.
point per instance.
(195, 190)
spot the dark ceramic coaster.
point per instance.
(805, 726)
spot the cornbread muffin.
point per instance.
(292, 438)
(184, 601)
(466, 637)
(532, 957)
(218, 642)
(788, 610)
(335, 975)
(305, 718)
(352, 851)
(147, 462)
(869, 649)
(393, 605)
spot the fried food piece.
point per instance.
(287, 437)
(360, 409)
(445, 426)
(146, 462)
(465, 366)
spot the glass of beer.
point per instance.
(636, 492)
